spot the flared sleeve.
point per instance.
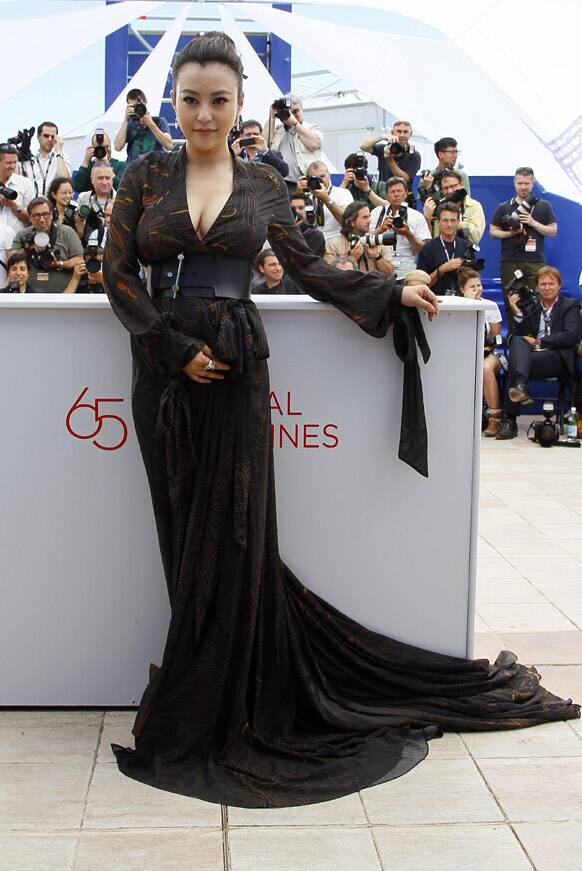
(167, 349)
(371, 299)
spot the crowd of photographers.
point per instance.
(53, 226)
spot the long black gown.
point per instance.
(266, 696)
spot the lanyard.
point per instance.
(448, 256)
(43, 175)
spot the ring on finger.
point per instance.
(210, 366)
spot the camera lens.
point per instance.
(100, 152)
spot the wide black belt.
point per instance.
(200, 275)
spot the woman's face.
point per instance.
(207, 104)
(18, 272)
(64, 194)
(473, 288)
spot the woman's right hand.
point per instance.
(197, 371)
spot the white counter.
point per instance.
(84, 605)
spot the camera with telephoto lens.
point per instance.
(360, 166)
(91, 258)
(282, 108)
(91, 214)
(457, 197)
(8, 193)
(397, 150)
(546, 432)
(99, 151)
(529, 298)
(400, 219)
(22, 142)
(314, 182)
(511, 221)
(39, 249)
(470, 259)
(70, 211)
(140, 109)
(373, 239)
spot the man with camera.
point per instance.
(91, 204)
(329, 201)
(447, 152)
(409, 226)
(251, 145)
(357, 181)
(522, 223)
(52, 249)
(140, 131)
(543, 342)
(49, 162)
(397, 158)
(299, 142)
(99, 150)
(15, 191)
(444, 256)
(304, 213)
(472, 224)
(356, 240)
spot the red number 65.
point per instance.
(99, 418)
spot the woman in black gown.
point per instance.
(266, 696)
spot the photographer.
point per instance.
(472, 225)
(140, 131)
(447, 152)
(368, 255)
(357, 181)
(542, 345)
(329, 201)
(49, 161)
(100, 149)
(471, 288)
(522, 223)
(17, 275)
(304, 212)
(250, 145)
(397, 158)
(7, 234)
(52, 250)
(60, 194)
(15, 191)
(443, 257)
(274, 281)
(299, 142)
(409, 225)
(91, 204)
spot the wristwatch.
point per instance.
(60, 265)
(379, 257)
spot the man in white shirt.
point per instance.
(49, 161)
(102, 176)
(299, 142)
(6, 236)
(409, 225)
(13, 211)
(329, 201)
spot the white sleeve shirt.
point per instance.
(7, 234)
(25, 191)
(42, 170)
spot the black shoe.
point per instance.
(519, 393)
(508, 430)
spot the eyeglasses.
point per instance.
(49, 135)
(40, 214)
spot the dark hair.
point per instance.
(451, 173)
(392, 182)
(44, 124)
(524, 170)
(466, 275)
(299, 195)
(447, 207)
(55, 185)
(350, 161)
(135, 94)
(251, 123)
(351, 212)
(38, 201)
(268, 252)
(211, 47)
(17, 257)
(444, 143)
(344, 258)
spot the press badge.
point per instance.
(531, 245)
(42, 276)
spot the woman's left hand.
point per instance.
(420, 296)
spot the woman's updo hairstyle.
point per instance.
(211, 47)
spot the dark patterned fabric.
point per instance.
(266, 695)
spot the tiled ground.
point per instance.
(508, 802)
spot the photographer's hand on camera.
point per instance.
(302, 184)
(79, 273)
(429, 208)
(513, 300)
(427, 181)
(451, 265)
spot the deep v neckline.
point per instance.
(203, 238)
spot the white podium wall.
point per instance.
(83, 606)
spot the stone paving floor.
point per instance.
(510, 801)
